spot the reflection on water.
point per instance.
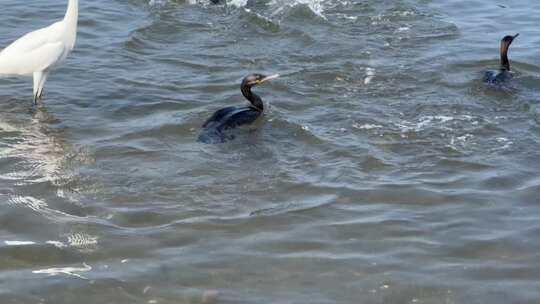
(40, 173)
(71, 271)
(35, 154)
(38, 155)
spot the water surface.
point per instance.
(384, 170)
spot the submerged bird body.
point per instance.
(216, 127)
(503, 74)
(232, 117)
(497, 77)
(38, 52)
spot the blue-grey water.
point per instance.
(384, 171)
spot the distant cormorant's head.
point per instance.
(256, 79)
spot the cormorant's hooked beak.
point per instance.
(267, 78)
(512, 38)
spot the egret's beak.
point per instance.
(267, 78)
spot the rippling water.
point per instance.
(384, 172)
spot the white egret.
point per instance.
(38, 52)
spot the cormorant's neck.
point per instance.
(505, 63)
(255, 100)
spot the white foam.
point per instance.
(316, 6)
(237, 3)
(429, 120)
(403, 29)
(366, 126)
(465, 137)
(461, 141)
(425, 122)
(82, 240)
(160, 2)
(71, 271)
(19, 243)
(370, 74)
(28, 201)
(56, 244)
(7, 127)
(505, 142)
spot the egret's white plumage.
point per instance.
(38, 52)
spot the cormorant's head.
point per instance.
(507, 40)
(256, 79)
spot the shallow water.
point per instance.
(384, 172)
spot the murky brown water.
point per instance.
(384, 172)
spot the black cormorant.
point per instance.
(214, 129)
(503, 74)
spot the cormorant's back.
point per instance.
(216, 127)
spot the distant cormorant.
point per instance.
(503, 74)
(214, 129)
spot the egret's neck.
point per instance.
(72, 16)
(72, 12)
